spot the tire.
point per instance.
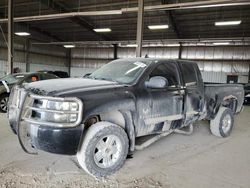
(111, 142)
(4, 98)
(223, 122)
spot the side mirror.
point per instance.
(157, 82)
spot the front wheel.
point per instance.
(104, 149)
(4, 103)
(223, 122)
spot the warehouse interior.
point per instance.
(80, 36)
(192, 35)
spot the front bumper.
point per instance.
(54, 140)
(35, 136)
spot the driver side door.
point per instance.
(164, 104)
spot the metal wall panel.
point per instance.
(80, 67)
(153, 52)
(216, 52)
(80, 72)
(48, 50)
(39, 67)
(88, 63)
(2, 68)
(49, 58)
(3, 65)
(93, 53)
(215, 77)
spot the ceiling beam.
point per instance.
(38, 30)
(80, 21)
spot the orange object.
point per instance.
(34, 78)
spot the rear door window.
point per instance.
(189, 74)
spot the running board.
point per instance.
(152, 140)
(188, 132)
(159, 136)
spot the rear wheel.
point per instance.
(104, 149)
(4, 99)
(223, 122)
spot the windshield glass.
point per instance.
(12, 79)
(121, 71)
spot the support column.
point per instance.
(180, 51)
(115, 51)
(249, 74)
(10, 37)
(139, 35)
(68, 57)
(27, 55)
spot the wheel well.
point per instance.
(230, 103)
(115, 117)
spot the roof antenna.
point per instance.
(146, 56)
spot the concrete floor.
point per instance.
(199, 160)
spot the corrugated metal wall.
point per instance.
(86, 60)
(215, 62)
(40, 58)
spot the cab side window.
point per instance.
(168, 71)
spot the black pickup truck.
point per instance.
(100, 118)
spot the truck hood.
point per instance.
(68, 85)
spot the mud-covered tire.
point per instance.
(223, 122)
(94, 145)
(4, 98)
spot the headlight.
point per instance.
(62, 106)
(51, 111)
(57, 117)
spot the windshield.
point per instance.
(121, 71)
(12, 79)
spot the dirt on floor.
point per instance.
(199, 160)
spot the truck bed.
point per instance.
(220, 92)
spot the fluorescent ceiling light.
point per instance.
(69, 46)
(173, 45)
(22, 34)
(132, 45)
(155, 27)
(102, 30)
(221, 43)
(225, 23)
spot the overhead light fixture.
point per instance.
(155, 27)
(102, 30)
(172, 45)
(132, 45)
(226, 23)
(221, 43)
(69, 46)
(22, 34)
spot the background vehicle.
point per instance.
(247, 93)
(60, 74)
(19, 78)
(98, 118)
